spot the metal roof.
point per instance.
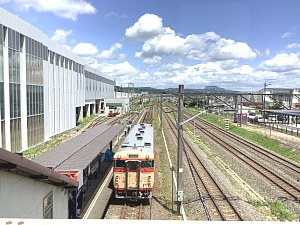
(82, 158)
(293, 112)
(56, 156)
(17, 164)
(138, 136)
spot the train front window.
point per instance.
(132, 165)
(120, 163)
(147, 163)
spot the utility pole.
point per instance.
(264, 102)
(179, 153)
(160, 113)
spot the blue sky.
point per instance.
(233, 44)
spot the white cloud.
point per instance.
(66, 47)
(111, 14)
(294, 45)
(116, 15)
(228, 64)
(227, 49)
(146, 74)
(281, 63)
(69, 9)
(4, 1)
(206, 47)
(163, 45)
(110, 54)
(85, 49)
(154, 60)
(172, 67)
(287, 34)
(267, 52)
(148, 26)
(60, 36)
(119, 69)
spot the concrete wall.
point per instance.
(22, 197)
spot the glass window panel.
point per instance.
(39, 49)
(34, 70)
(41, 72)
(36, 48)
(3, 132)
(2, 101)
(28, 99)
(42, 101)
(13, 34)
(38, 71)
(18, 103)
(9, 38)
(22, 39)
(31, 100)
(1, 34)
(29, 69)
(34, 99)
(17, 41)
(26, 44)
(33, 47)
(10, 65)
(11, 100)
(29, 46)
(17, 67)
(1, 64)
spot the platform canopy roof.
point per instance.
(19, 165)
(77, 153)
(285, 112)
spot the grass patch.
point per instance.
(255, 137)
(278, 210)
(273, 209)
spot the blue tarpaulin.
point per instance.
(109, 155)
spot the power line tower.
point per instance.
(131, 95)
(130, 90)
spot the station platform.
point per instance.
(99, 190)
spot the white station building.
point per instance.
(45, 89)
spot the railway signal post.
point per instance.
(179, 153)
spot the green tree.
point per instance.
(277, 105)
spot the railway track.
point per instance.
(219, 206)
(240, 149)
(129, 211)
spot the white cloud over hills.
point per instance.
(166, 59)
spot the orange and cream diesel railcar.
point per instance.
(134, 164)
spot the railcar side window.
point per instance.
(147, 164)
(120, 163)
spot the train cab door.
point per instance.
(133, 174)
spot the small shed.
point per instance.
(32, 191)
(238, 117)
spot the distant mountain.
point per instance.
(150, 90)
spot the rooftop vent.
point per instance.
(140, 138)
(137, 134)
(142, 131)
(147, 144)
